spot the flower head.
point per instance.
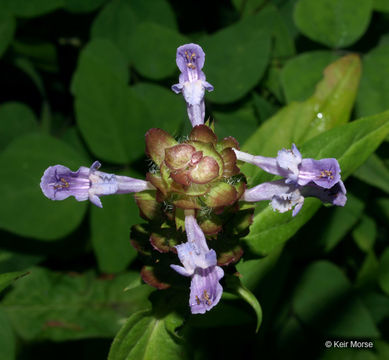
(58, 183)
(190, 60)
(201, 265)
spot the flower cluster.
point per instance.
(196, 185)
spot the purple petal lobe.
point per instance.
(181, 270)
(290, 160)
(190, 60)
(335, 195)
(205, 290)
(58, 183)
(324, 172)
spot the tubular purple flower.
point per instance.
(58, 183)
(200, 263)
(287, 196)
(190, 60)
(290, 165)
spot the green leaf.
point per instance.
(373, 94)
(241, 123)
(42, 54)
(381, 5)
(339, 223)
(145, 337)
(351, 144)
(300, 75)
(155, 11)
(31, 8)
(7, 338)
(78, 6)
(383, 277)
(374, 172)
(246, 45)
(14, 261)
(111, 117)
(364, 234)
(110, 228)
(22, 165)
(333, 23)
(270, 19)
(324, 301)
(7, 29)
(116, 22)
(264, 109)
(55, 306)
(329, 106)
(28, 68)
(247, 7)
(15, 119)
(8, 278)
(367, 274)
(168, 110)
(238, 288)
(153, 49)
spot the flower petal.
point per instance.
(205, 290)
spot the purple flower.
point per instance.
(199, 263)
(287, 196)
(190, 60)
(290, 165)
(58, 183)
(302, 178)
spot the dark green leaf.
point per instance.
(364, 234)
(374, 172)
(8, 278)
(247, 47)
(381, 5)
(339, 223)
(168, 110)
(333, 23)
(83, 6)
(7, 29)
(116, 22)
(145, 337)
(241, 123)
(373, 95)
(15, 119)
(301, 74)
(384, 271)
(238, 288)
(48, 305)
(110, 232)
(153, 49)
(21, 167)
(30, 8)
(156, 11)
(323, 300)
(111, 117)
(13, 261)
(7, 338)
(247, 7)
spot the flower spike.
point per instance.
(58, 183)
(192, 84)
